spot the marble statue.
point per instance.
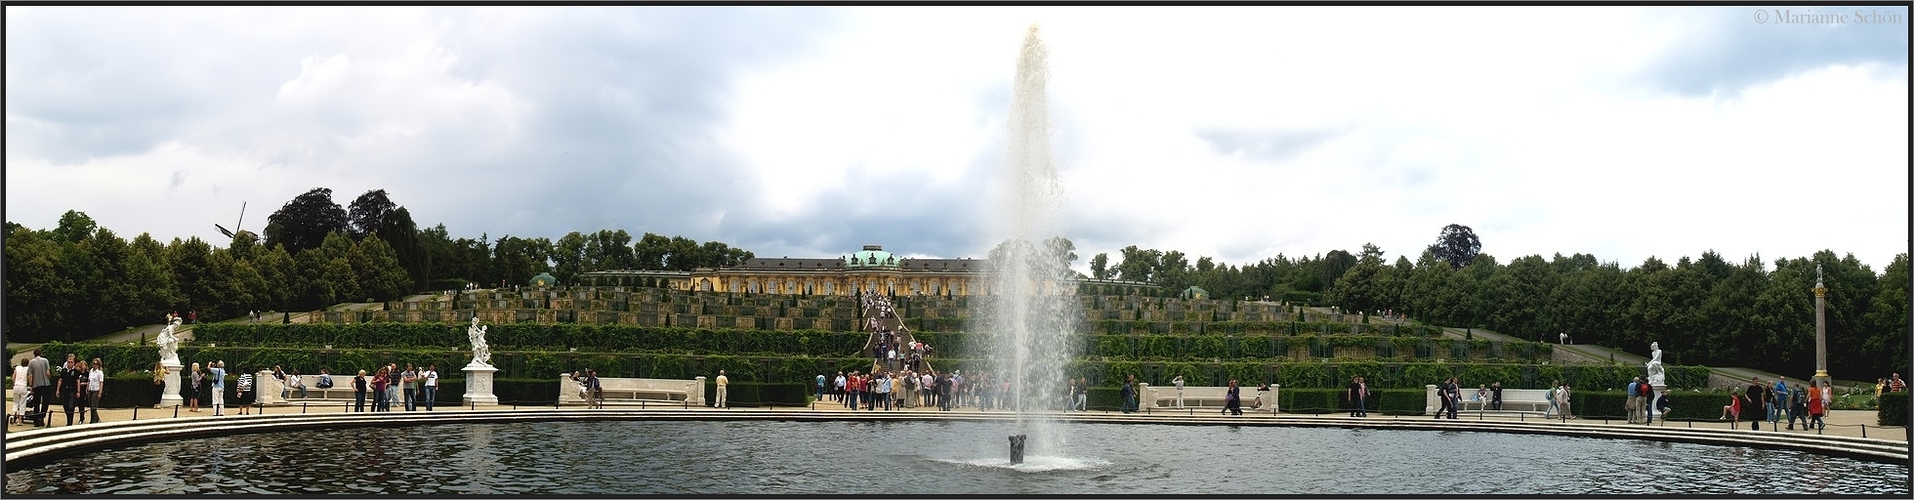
(168, 343)
(1655, 373)
(481, 353)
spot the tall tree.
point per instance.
(367, 213)
(1100, 266)
(1457, 245)
(304, 222)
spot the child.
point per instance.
(1732, 412)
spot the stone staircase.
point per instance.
(902, 336)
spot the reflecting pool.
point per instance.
(936, 457)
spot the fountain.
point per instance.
(1031, 311)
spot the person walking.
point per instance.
(72, 375)
(1129, 394)
(40, 383)
(20, 392)
(1083, 393)
(1815, 410)
(1359, 394)
(723, 385)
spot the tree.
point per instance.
(367, 213)
(304, 222)
(74, 226)
(1137, 264)
(377, 267)
(1457, 245)
(1887, 320)
(1100, 266)
(568, 257)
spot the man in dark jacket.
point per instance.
(1358, 392)
(1757, 401)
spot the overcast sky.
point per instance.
(1236, 133)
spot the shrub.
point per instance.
(1894, 408)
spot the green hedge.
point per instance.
(758, 394)
(1893, 409)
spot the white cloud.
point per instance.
(1237, 133)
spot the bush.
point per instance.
(1894, 408)
(757, 393)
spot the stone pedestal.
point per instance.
(1654, 399)
(170, 395)
(478, 384)
(1430, 402)
(268, 391)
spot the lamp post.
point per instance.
(1820, 328)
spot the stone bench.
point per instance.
(635, 391)
(1530, 400)
(1152, 397)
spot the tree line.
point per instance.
(78, 280)
(1703, 311)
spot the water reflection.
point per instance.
(663, 457)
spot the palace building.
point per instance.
(870, 269)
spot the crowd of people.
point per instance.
(897, 390)
(77, 385)
(1760, 401)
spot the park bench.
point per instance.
(1529, 400)
(1164, 398)
(635, 391)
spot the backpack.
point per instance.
(1551, 395)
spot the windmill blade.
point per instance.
(222, 230)
(242, 217)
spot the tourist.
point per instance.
(20, 391)
(1661, 406)
(1777, 401)
(1757, 399)
(1083, 393)
(957, 388)
(392, 386)
(820, 387)
(72, 375)
(1633, 404)
(1567, 411)
(381, 400)
(1129, 394)
(1880, 384)
(838, 388)
(159, 383)
(927, 383)
(1827, 397)
(325, 379)
(1894, 384)
(723, 385)
(1732, 411)
(1481, 397)
(1178, 382)
(431, 381)
(1648, 402)
(195, 387)
(1797, 406)
(359, 392)
(595, 389)
(1233, 399)
(881, 388)
(897, 391)
(943, 391)
(408, 382)
(95, 385)
(1815, 410)
(285, 389)
(293, 380)
(217, 375)
(1448, 401)
(40, 383)
(1495, 395)
(1359, 394)
(245, 391)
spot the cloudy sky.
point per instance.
(1236, 133)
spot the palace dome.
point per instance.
(871, 256)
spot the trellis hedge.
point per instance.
(1893, 409)
(797, 367)
(683, 340)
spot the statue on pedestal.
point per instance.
(1655, 373)
(481, 353)
(168, 343)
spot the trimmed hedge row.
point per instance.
(682, 340)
